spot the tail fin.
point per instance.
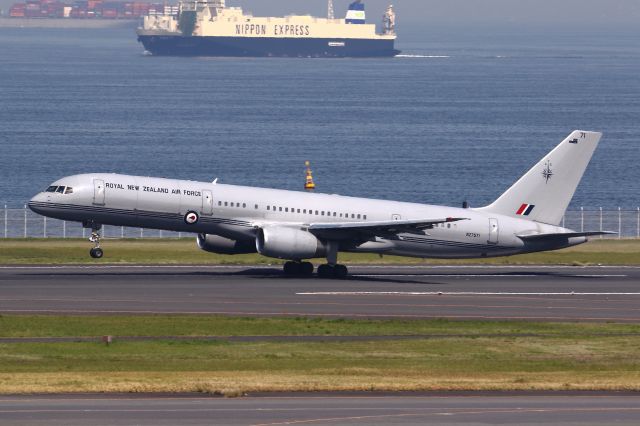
(545, 191)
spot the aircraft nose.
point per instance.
(37, 203)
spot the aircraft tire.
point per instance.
(291, 268)
(340, 272)
(306, 268)
(96, 253)
(325, 271)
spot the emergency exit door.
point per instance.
(493, 231)
(207, 203)
(98, 192)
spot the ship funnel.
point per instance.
(356, 14)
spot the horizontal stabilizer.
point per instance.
(539, 237)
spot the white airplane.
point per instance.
(296, 226)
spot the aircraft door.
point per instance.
(207, 203)
(493, 231)
(98, 192)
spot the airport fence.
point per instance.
(23, 223)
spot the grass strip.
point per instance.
(15, 326)
(184, 251)
(540, 363)
(469, 355)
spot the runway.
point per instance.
(522, 292)
(325, 410)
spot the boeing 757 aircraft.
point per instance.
(297, 226)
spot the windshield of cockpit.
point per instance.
(60, 189)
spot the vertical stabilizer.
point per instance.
(545, 191)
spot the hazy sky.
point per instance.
(472, 11)
(431, 12)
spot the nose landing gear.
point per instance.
(96, 252)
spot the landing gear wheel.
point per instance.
(332, 271)
(306, 269)
(340, 272)
(291, 268)
(96, 253)
(325, 271)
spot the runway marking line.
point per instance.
(427, 275)
(459, 293)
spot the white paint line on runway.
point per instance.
(388, 267)
(457, 293)
(487, 275)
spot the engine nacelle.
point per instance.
(221, 245)
(288, 243)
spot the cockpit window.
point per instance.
(60, 189)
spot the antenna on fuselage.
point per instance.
(309, 185)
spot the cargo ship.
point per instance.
(210, 28)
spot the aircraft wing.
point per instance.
(381, 228)
(540, 237)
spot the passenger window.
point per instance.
(364, 217)
(298, 210)
(244, 205)
(256, 207)
(219, 203)
(316, 212)
(69, 190)
(268, 207)
(304, 211)
(60, 190)
(340, 214)
(334, 214)
(322, 213)
(286, 209)
(358, 216)
(280, 208)
(448, 225)
(353, 216)
(226, 203)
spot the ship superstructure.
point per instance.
(210, 28)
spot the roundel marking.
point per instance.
(191, 218)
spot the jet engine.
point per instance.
(221, 245)
(288, 243)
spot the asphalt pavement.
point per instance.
(548, 293)
(466, 409)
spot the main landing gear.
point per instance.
(329, 270)
(96, 252)
(302, 269)
(332, 269)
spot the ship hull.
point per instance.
(173, 45)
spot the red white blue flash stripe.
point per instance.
(525, 209)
